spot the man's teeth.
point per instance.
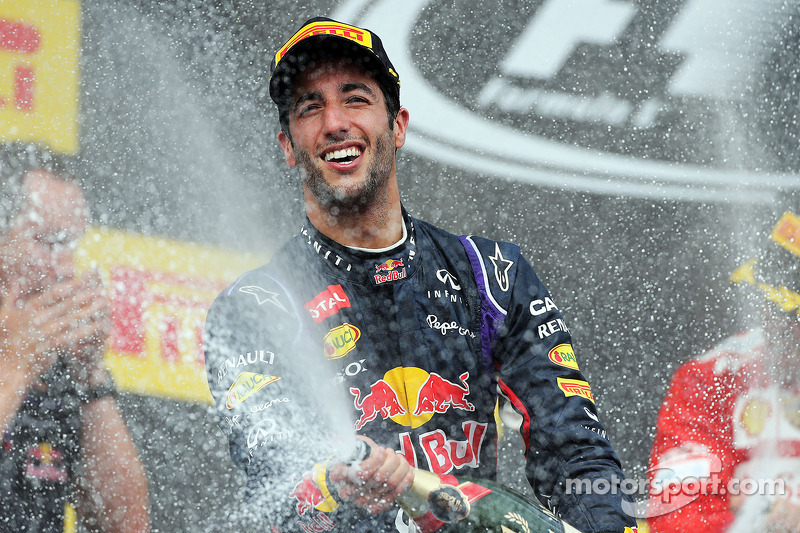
(352, 153)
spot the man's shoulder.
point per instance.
(733, 354)
(261, 289)
(482, 245)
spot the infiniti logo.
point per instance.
(447, 278)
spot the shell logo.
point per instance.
(340, 341)
(564, 356)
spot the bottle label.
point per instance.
(449, 504)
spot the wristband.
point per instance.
(97, 392)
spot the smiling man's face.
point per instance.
(341, 138)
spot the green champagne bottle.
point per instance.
(445, 504)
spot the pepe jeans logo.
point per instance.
(445, 327)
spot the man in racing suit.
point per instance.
(726, 455)
(376, 323)
(63, 439)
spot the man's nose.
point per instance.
(63, 262)
(335, 119)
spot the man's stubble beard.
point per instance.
(338, 200)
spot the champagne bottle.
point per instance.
(445, 504)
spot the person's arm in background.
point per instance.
(113, 492)
(113, 484)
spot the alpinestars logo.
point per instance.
(501, 268)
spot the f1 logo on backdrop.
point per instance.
(622, 97)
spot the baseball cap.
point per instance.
(775, 271)
(321, 38)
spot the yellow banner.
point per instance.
(160, 291)
(39, 52)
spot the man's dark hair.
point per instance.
(17, 158)
(284, 103)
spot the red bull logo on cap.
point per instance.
(410, 396)
(564, 356)
(245, 385)
(340, 341)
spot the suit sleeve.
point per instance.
(690, 444)
(262, 382)
(567, 449)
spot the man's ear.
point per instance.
(400, 126)
(288, 149)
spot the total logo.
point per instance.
(387, 271)
(340, 341)
(245, 385)
(327, 303)
(410, 396)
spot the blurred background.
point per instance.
(637, 150)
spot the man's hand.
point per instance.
(375, 483)
(92, 328)
(783, 517)
(70, 316)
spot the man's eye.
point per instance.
(308, 109)
(59, 240)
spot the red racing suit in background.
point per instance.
(722, 421)
(410, 348)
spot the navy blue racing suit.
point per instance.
(411, 346)
(40, 456)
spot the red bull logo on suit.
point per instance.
(390, 267)
(410, 397)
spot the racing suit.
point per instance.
(409, 347)
(40, 455)
(723, 425)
